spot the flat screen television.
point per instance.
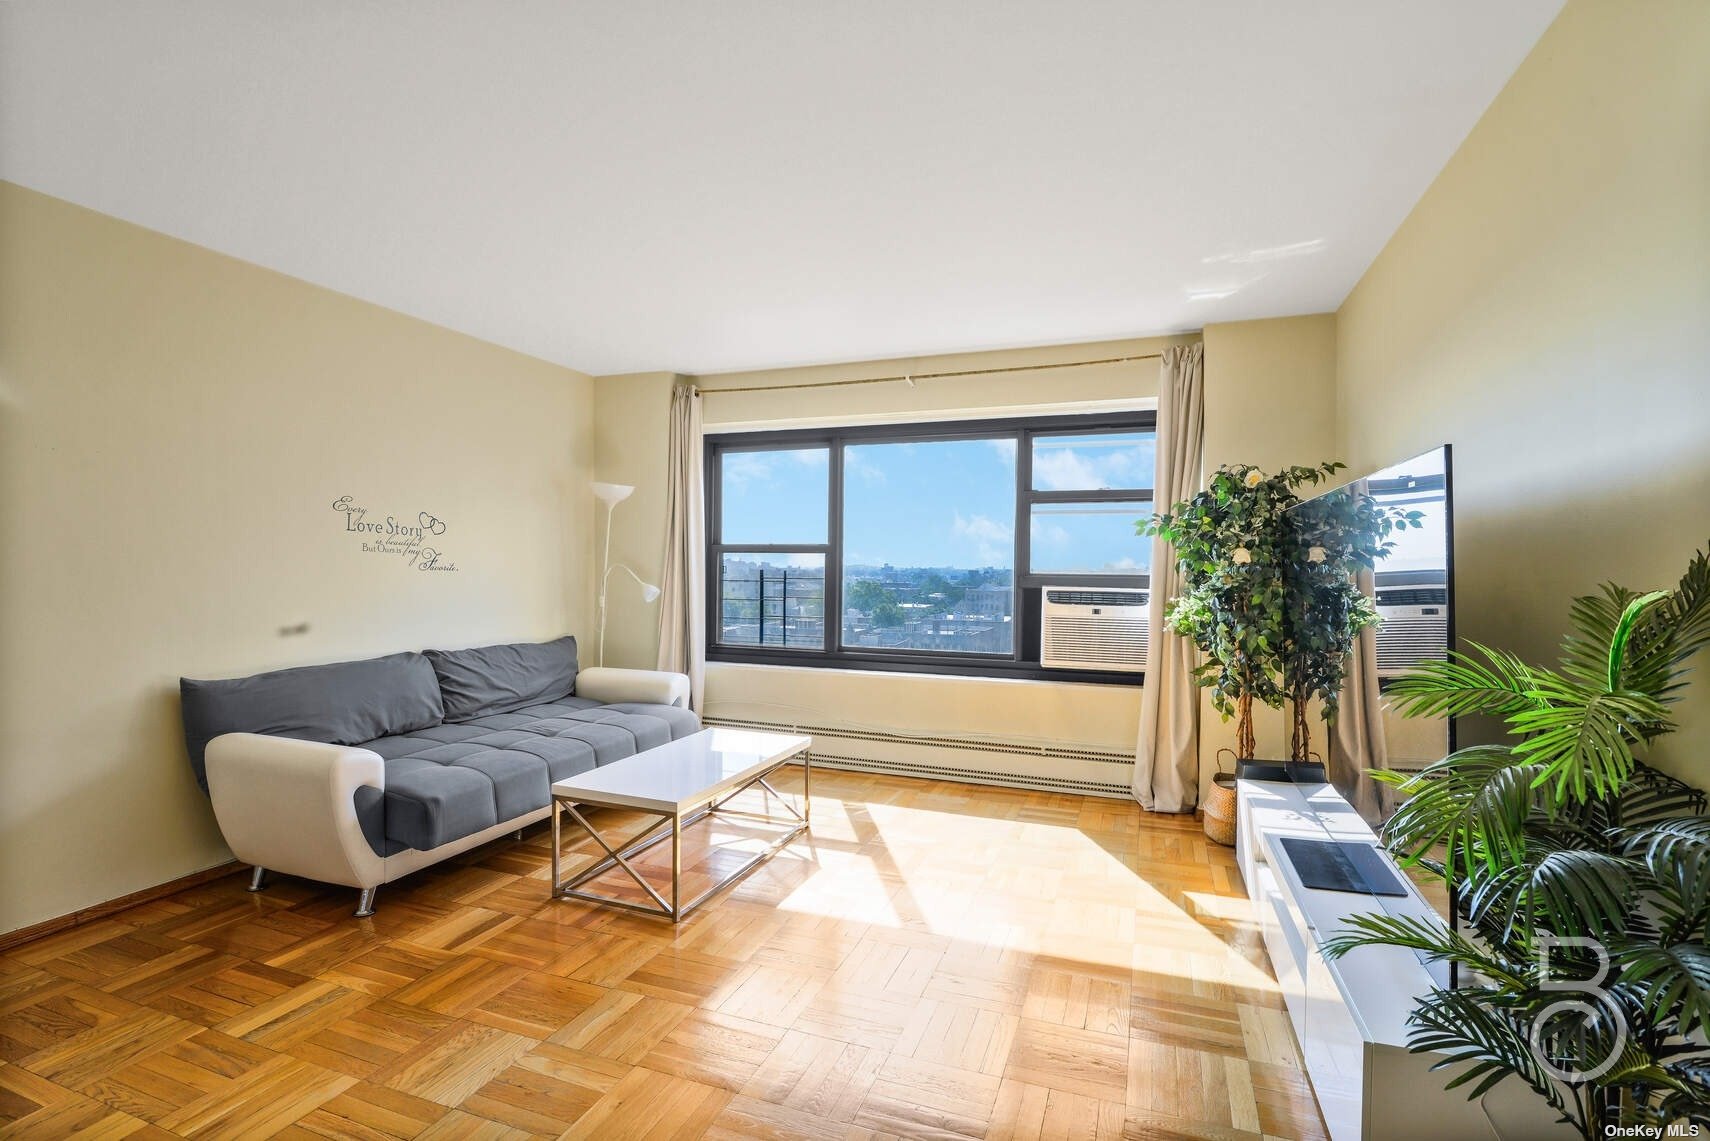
(1414, 592)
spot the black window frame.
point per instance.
(832, 655)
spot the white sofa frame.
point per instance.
(288, 806)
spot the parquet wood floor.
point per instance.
(935, 960)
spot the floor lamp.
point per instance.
(612, 494)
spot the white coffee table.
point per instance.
(681, 782)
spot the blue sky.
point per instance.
(943, 503)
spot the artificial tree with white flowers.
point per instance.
(1332, 538)
(1267, 632)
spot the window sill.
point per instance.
(985, 671)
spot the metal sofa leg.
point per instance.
(517, 835)
(365, 903)
(258, 878)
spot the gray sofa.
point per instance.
(360, 772)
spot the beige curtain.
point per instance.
(1166, 763)
(682, 588)
(1356, 740)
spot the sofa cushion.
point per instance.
(445, 782)
(496, 679)
(345, 703)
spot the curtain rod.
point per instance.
(911, 377)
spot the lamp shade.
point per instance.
(612, 493)
(649, 592)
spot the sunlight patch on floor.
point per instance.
(1041, 888)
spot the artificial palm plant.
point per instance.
(1583, 873)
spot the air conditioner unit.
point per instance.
(1093, 628)
(1415, 627)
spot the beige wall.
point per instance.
(1270, 400)
(174, 428)
(1270, 392)
(1546, 309)
(632, 412)
(631, 434)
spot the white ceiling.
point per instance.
(706, 186)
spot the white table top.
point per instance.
(684, 775)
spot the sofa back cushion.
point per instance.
(498, 679)
(345, 703)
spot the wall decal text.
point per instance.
(402, 537)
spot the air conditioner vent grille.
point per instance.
(1413, 596)
(1063, 597)
(1094, 629)
(1403, 641)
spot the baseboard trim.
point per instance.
(96, 911)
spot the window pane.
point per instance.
(929, 546)
(1100, 461)
(1089, 538)
(772, 600)
(775, 497)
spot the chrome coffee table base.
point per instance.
(670, 827)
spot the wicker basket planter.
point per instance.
(1219, 811)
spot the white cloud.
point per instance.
(1049, 534)
(865, 470)
(982, 527)
(1061, 469)
(985, 534)
(1086, 466)
(741, 467)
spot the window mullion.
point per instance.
(1022, 553)
(834, 556)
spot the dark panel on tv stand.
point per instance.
(1283, 772)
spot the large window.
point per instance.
(920, 547)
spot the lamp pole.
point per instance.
(611, 494)
(605, 575)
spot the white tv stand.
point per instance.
(1350, 1014)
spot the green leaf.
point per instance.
(1483, 681)
(1624, 632)
(1486, 1041)
(1649, 796)
(1561, 889)
(1580, 736)
(1671, 982)
(1473, 803)
(1428, 937)
(1677, 855)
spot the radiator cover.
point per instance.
(1072, 769)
